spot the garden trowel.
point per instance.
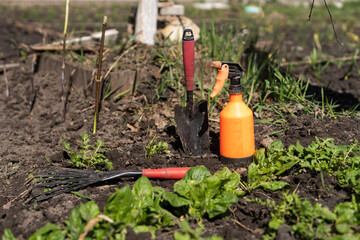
(192, 120)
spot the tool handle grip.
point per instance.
(188, 58)
(166, 173)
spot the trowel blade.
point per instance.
(192, 126)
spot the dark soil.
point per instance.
(33, 138)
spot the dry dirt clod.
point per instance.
(241, 170)
(266, 142)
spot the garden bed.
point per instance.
(33, 129)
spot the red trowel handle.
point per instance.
(188, 58)
(166, 173)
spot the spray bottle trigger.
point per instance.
(222, 75)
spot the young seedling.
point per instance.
(155, 148)
(89, 155)
(98, 77)
(63, 59)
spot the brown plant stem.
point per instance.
(32, 63)
(63, 60)
(63, 78)
(98, 77)
(331, 19)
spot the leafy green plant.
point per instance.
(89, 155)
(348, 219)
(169, 62)
(144, 209)
(224, 44)
(306, 220)
(200, 193)
(268, 165)
(8, 235)
(309, 221)
(318, 66)
(155, 148)
(138, 208)
(342, 161)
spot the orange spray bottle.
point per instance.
(237, 140)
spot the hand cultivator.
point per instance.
(64, 180)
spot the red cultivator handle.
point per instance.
(188, 58)
(166, 173)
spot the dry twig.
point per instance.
(332, 21)
(63, 59)
(98, 77)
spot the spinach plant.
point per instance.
(89, 155)
(138, 208)
(268, 165)
(199, 193)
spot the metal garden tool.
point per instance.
(192, 120)
(64, 180)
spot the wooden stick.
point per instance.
(98, 77)
(9, 65)
(58, 48)
(7, 93)
(242, 225)
(63, 59)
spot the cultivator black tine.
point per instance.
(59, 169)
(59, 175)
(63, 173)
(61, 180)
(50, 183)
(60, 190)
(52, 179)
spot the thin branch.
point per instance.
(98, 77)
(10, 65)
(332, 23)
(312, 6)
(63, 59)
(243, 226)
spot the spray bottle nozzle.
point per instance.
(227, 70)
